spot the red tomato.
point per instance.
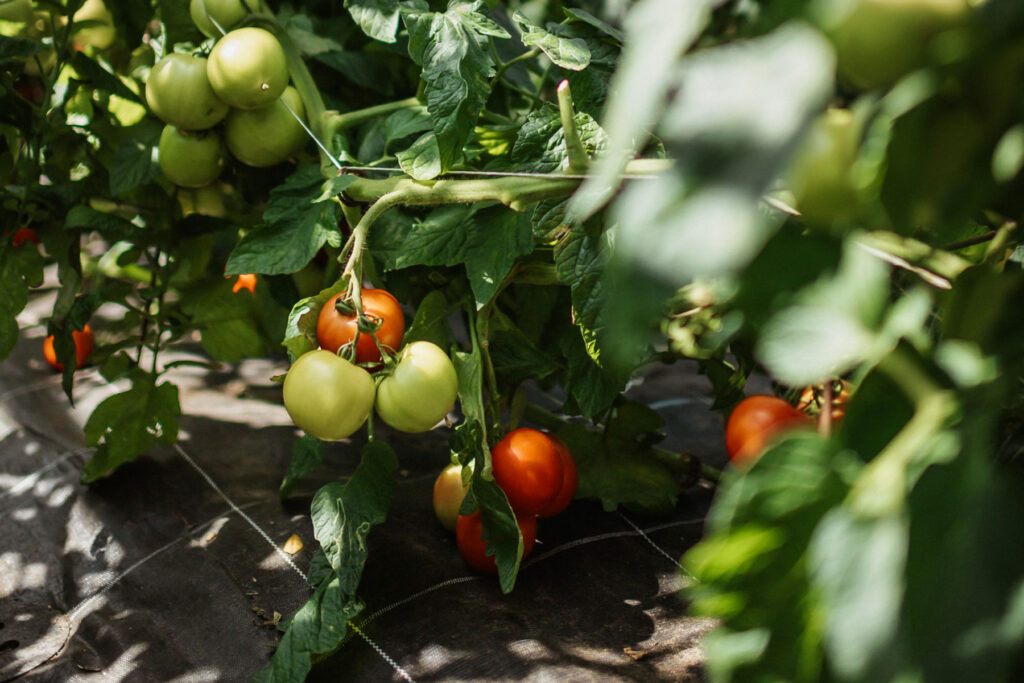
(335, 329)
(245, 281)
(528, 468)
(469, 537)
(84, 344)
(754, 422)
(570, 480)
(23, 235)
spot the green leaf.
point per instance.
(20, 269)
(113, 227)
(500, 530)
(377, 18)
(431, 320)
(134, 163)
(540, 145)
(344, 514)
(126, 425)
(11, 48)
(513, 354)
(657, 32)
(316, 629)
(580, 259)
(99, 76)
(469, 370)
(226, 321)
(568, 53)
(588, 18)
(335, 186)
(421, 160)
(300, 332)
(456, 70)
(591, 387)
(295, 228)
(365, 70)
(858, 566)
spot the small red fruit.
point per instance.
(84, 344)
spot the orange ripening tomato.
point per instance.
(84, 344)
(754, 422)
(335, 329)
(469, 537)
(570, 480)
(528, 468)
(245, 281)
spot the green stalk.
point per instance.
(578, 160)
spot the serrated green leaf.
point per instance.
(500, 530)
(540, 145)
(134, 163)
(226, 321)
(469, 370)
(456, 70)
(126, 425)
(580, 259)
(335, 186)
(588, 18)
(11, 48)
(295, 227)
(100, 77)
(591, 387)
(300, 332)
(307, 454)
(113, 227)
(431, 320)
(568, 53)
(422, 159)
(377, 18)
(20, 268)
(344, 514)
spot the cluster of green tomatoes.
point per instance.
(329, 392)
(237, 97)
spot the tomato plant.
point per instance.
(335, 329)
(84, 344)
(754, 422)
(469, 537)
(191, 159)
(179, 93)
(448, 495)
(528, 468)
(267, 135)
(327, 396)
(247, 68)
(420, 389)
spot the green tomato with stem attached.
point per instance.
(248, 68)
(327, 396)
(420, 390)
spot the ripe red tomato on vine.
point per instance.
(754, 422)
(335, 329)
(528, 468)
(469, 538)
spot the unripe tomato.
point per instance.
(100, 37)
(469, 537)
(448, 495)
(205, 201)
(84, 344)
(327, 396)
(227, 13)
(334, 329)
(248, 68)
(754, 422)
(190, 159)
(528, 468)
(267, 135)
(179, 93)
(821, 172)
(570, 480)
(878, 41)
(420, 390)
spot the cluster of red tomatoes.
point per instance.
(330, 397)
(538, 475)
(243, 83)
(758, 420)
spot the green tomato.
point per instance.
(248, 68)
(878, 41)
(821, 172)
(327, 396)
(101, 37)
(227, 13)
(421, 389)
(179, 93)
(205, 201)
(268, 135)
(190, 159)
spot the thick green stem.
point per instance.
(335, 122)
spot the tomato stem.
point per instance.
(578, 159)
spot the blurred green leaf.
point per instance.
(568, 53)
